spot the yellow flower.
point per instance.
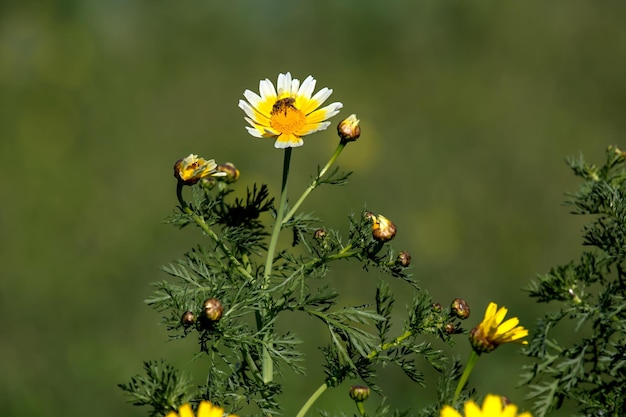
(288, 112)
(491, 332)
(492, 407)
(192, 169)
(205, 409)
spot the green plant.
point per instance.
(590, 296)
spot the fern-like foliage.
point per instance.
(590, 296)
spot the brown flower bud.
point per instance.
(359, 393)
(231, 171)
(449, 328)
(213, 309)
(437, 307)
(403, 259)
(319, 234)
(460, 308)
(349, 129)
(188, 318)
(383, 229)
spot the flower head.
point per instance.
(205, 409)
(492, 332)
(492, 407)
(192, 169)
(288, 112)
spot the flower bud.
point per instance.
(213, 309)
(449, 328)
(349, 129)
(231, 171)
(359, 393)
(188, 318)
(575, 298)
(319, 235)
(460, 308)
(383, 229)
(403, 259)
(437, 307)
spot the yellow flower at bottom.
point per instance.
(492, 332)
(288, 112)
(492, 407)
(205, 409)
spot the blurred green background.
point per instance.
(467, 111)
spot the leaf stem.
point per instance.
(315, 182)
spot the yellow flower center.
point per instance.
(285, 117)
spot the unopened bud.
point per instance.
(383, 229)
(359, 393)
(319, 234)
(403, 259)
(188, 318)
(213, 309)
(349, 129)
(575, 298)
(437, 307)
(460, 308)
(231, 171)
(449, 328)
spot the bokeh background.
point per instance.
(467, 109)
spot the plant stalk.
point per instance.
(315, 182)
(268, 365)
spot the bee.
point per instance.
(284, 104)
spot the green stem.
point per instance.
(315, 182)
(312, 400)
(268, 366)
(207, 229)
(466, 373)
(371, 355)
(361, 408)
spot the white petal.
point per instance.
(307, 87)
(283, 145)
(295, 85)
(332, 109)
(266, 88)
(246, 108)
(253, 98)
(284, 83)
(254, 132)
(322, 95)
